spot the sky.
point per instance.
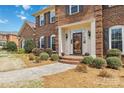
(12, 17)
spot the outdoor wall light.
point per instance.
(89, 33)
(66, 35)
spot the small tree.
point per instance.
(29, 45)
(11, 46)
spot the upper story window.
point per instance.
(52, 16)
(116, 39)
(42, 20)
(73, 9)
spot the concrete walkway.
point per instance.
(33, 73)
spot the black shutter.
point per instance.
(49, 42)
(67, 9)
(48, 17)
(80, 8)
(45, 44)
(106, 40)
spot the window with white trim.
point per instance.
(42, 20)
(116, 40)
(42, 42)
(52, 45)
(52, 16)
(73, 9)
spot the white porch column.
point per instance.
(93, 38)
(60, 40)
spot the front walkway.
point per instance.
(33, 73)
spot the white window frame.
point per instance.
(42, 19)
(51, 40)
(110, 31)
(70, 12)
(42, 37)
(23, 43)
(52, 14)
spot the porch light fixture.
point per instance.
(66, 35)
(89, 33)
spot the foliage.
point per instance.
(44, 56)
(114, 53)
(87, 60)
(29, 45)
(11, 46)
(105, 73)
(21, 51)
(37, 51)
(82, 68)
(31, 56)
(49, 51)
(99, 63)
(55, 57)
(114, 62)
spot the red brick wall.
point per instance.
(46, 30)
(86, 12)
(113, 16)
(26, 33)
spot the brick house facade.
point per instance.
(27, 31)
(8, 36)
(81, 29)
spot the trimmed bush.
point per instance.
(37, 51)
(82, 68)
(31, 56)
(44, 56)
(114, 53)
(114, 62)
(87, 60)
(99, 63)
(55, 57)
(21, 51)
(49, 51)
(29, 45)
(11, 46)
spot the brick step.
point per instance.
(71, 58)
(69, 61)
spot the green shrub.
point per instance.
(21, 51)
(11, 46)
(37, 51)
(87, 60)
(31, 56)
(29, 45)
(44, 56)
(99, 63)
(49, 51)
(114, 62)
(55, 57)
(114, 53)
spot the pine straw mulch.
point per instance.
(75, 79)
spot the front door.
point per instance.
(77, 43)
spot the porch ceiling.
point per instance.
(77, 26)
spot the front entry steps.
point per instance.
(71, 59)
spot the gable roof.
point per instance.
(31, 24)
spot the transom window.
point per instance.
(116, 37)
(74, 9)
(42, 20)
(52, 16)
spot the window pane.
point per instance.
(53, 43)
(42, 43)
(116, 38)
(74, 8)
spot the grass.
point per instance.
(29, 63)
(23, 84)
(75, 79)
